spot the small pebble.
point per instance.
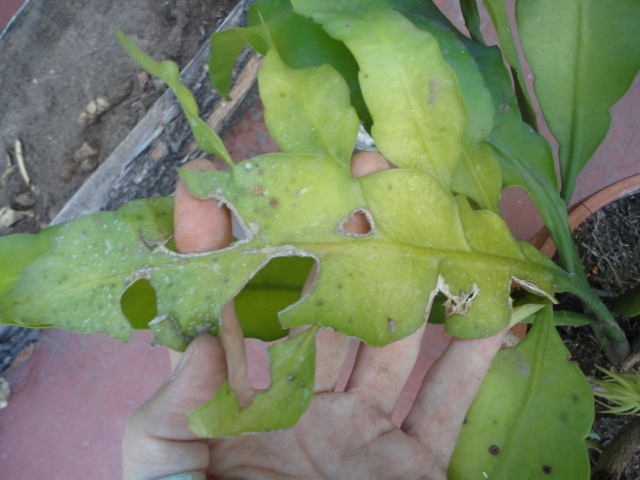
(25, 200)
(86, 151)
(88, 165)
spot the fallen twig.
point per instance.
(21, 165)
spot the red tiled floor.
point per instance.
(70, 401)
(72, 397)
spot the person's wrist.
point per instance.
(185, 476)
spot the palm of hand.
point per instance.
(343, 435)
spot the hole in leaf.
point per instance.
(276, 286)
(238, 232)
(438, 311)
(358, 224)
(139, 304)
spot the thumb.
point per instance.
(157, 439)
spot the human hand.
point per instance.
(343, 435)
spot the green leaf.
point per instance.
(226, 46)
(622, 390)
(584, 55)
(628, 304)
(93, 260)
(478, 174)
(280, 406)
(18, 251)
(323, 123)
(468, 255)
(205, 137)
(565, 318)
(498, 12)
(531, 393)
(77, 282)
(526, 157)
(410, 91)
(299, 41)
(275, 287)
(139, 304)
(527, 162)
(471, 17)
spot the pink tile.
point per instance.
(70, 401)
(8, 8)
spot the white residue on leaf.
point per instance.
(456, 304)
(533, 288)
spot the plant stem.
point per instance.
(606, 327)
(616, 345)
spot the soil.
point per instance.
(70, 94)
(609, 246)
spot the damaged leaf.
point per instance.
(280, 406)
(468, 255)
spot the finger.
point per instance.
(364, 163)
(157, 439)
(380, 374)
(200, 225)
(332, 350)
(447, 391)
(236, 351)
(333, 347)
(204, 226)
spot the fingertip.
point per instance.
(366, 163)
(200, 225)
(203, 367)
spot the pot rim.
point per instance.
(584, 209)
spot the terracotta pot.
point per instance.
(578, 214)
(581, 211)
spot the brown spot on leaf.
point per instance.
(494, 450)
(257, 190)
(546, 469)
(273, 202)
